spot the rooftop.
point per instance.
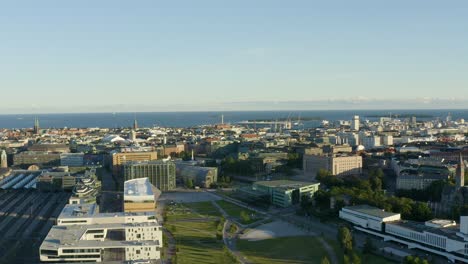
(138, 188)
(370, 210)
(71, 236)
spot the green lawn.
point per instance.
(194, 228)
(370, 258)
(295, 250)
(205, 208)
(235, 211)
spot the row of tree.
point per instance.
(367, 191)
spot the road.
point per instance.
(111, 198)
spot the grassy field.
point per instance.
(296, 250)
(194, 227)
(235, 212)
(370, 258)
(205, 208)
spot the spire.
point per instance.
(135, 123)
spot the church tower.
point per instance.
(460, 180)
(135, 124)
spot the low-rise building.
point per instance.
(441, 237)
(338, 165)
(201, 176)
(140, 195)
(284, 193)
(72, 159)
(27, 158)
(82, 235)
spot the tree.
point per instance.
(325, 260)
(244, 217)
(355, 258)
(368, 246)
(421, 212)
(345, 238)
(189, 183)
(346, 259)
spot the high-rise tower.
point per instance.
(355, 123)
(36, 126)
(460, 180)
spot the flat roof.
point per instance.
(370, 210)
(285, 184)
(70, 236)
(139, 189)
(78, 210)
(449, 232)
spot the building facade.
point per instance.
(338, 165)
(72, 159)
(122, 157)
(201, 176)
(27, 158)
(161, 174)
(284, 193)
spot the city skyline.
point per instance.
(105, 57)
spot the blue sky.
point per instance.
(106, 56)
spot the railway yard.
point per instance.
(26, 216)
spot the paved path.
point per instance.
(229, 242)
(329, 249)
(292, 219)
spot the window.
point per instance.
(138, 251)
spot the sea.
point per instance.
(306, 119)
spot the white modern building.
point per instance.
(140, 195)
(441, 237)
(368, 217)
(355, 123)
(81, 234)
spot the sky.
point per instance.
(111, 55)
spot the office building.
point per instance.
(72, 159)
(284, 193)
(27, 158)
(338, 165)
(161, 174)
(120, 158)
(83, 235)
